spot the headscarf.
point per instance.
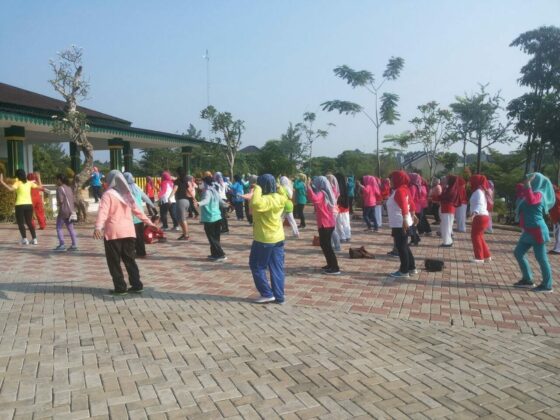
(541, 184)
(219, 178)
(342, 200)
(372, 182)
(267, 184)
(117, 183)
(253, 179)
(334, 185)
(149, 181)
(321, 183)
(302, 177)
(287, 185)
(166, 182)
(132, 184)
(479, 181)
(415, 180)
(450, 191)
(400, 179)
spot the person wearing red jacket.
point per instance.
(555, 218)
(37, 200)
(449, 200)
(400, 209)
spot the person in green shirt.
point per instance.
(301, 198)
(267, 250)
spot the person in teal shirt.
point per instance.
(211, 216)
(301, 198)
(351, 186)
(535, 200)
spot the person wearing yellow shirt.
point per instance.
(24, 205)
(267, 250)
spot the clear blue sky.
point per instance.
(270, 61)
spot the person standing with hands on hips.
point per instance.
(114, 225)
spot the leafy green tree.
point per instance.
(449, 160)
(356, 162)
(292, 145)
(50, 159)
(385, 103)
(536, 112)
(274, 159)
(154, 161)
(433, 131)
(321, 165)
(230, 132)
(478, 122)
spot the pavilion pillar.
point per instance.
(116, 153)
(186, 153)
(15, 136)
(75, 161)
(128, 153)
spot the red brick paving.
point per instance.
(463, 293)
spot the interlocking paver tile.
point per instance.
(192, 346)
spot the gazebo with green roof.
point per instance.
(26, 118)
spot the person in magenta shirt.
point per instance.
(320, 193)
(115, 226)
(370, 191)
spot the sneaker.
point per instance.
(176, 228)
(280, 303)
(524, 283)
(183, 238)
(542, 288)
(398, 274)
(488, 259)
(325, 267)
(413, 271)
(393, 254)
(135, 290)
(212, 257)
(222, 258)
(118, 292)
(24, 241)
(446, 245)
(475, 261)
(72, 248)
(60, 248)
(34, 241)
(263, 299)
(331, 272)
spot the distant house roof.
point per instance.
(250, 149)
(16, 99)
(413, 158)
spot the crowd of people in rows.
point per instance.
(266, 202)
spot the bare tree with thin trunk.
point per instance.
(69, 83)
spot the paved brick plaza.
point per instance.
(462, 343)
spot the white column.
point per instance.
(28, 151)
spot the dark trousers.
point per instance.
(351, 204)
(369, 217)
(192, 208)
(163, 210)
(435, 212)
(300, 214)
(247, 212)
(24, 216)
(423, 224)
(139, 243)
(238, 210)
(173, 214)
(122, 249)
(325, 235)
(96, 193)
(212, 231)
(224, 221)
(405, 255)
(151, 211)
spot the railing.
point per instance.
(140, 181)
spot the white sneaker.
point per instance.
(475, 261)
(34, 242)
(24, 241)
(488, 259)
(263, 299)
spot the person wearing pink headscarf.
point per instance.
(480, 217)
(369, 188)
(164, 196)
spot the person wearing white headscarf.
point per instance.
(288, 191)
(320, 193)
(222, 190)
(139, 198)
(336, 191)
(114, 225)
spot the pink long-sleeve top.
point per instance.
(324, 214)
(115, 217)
